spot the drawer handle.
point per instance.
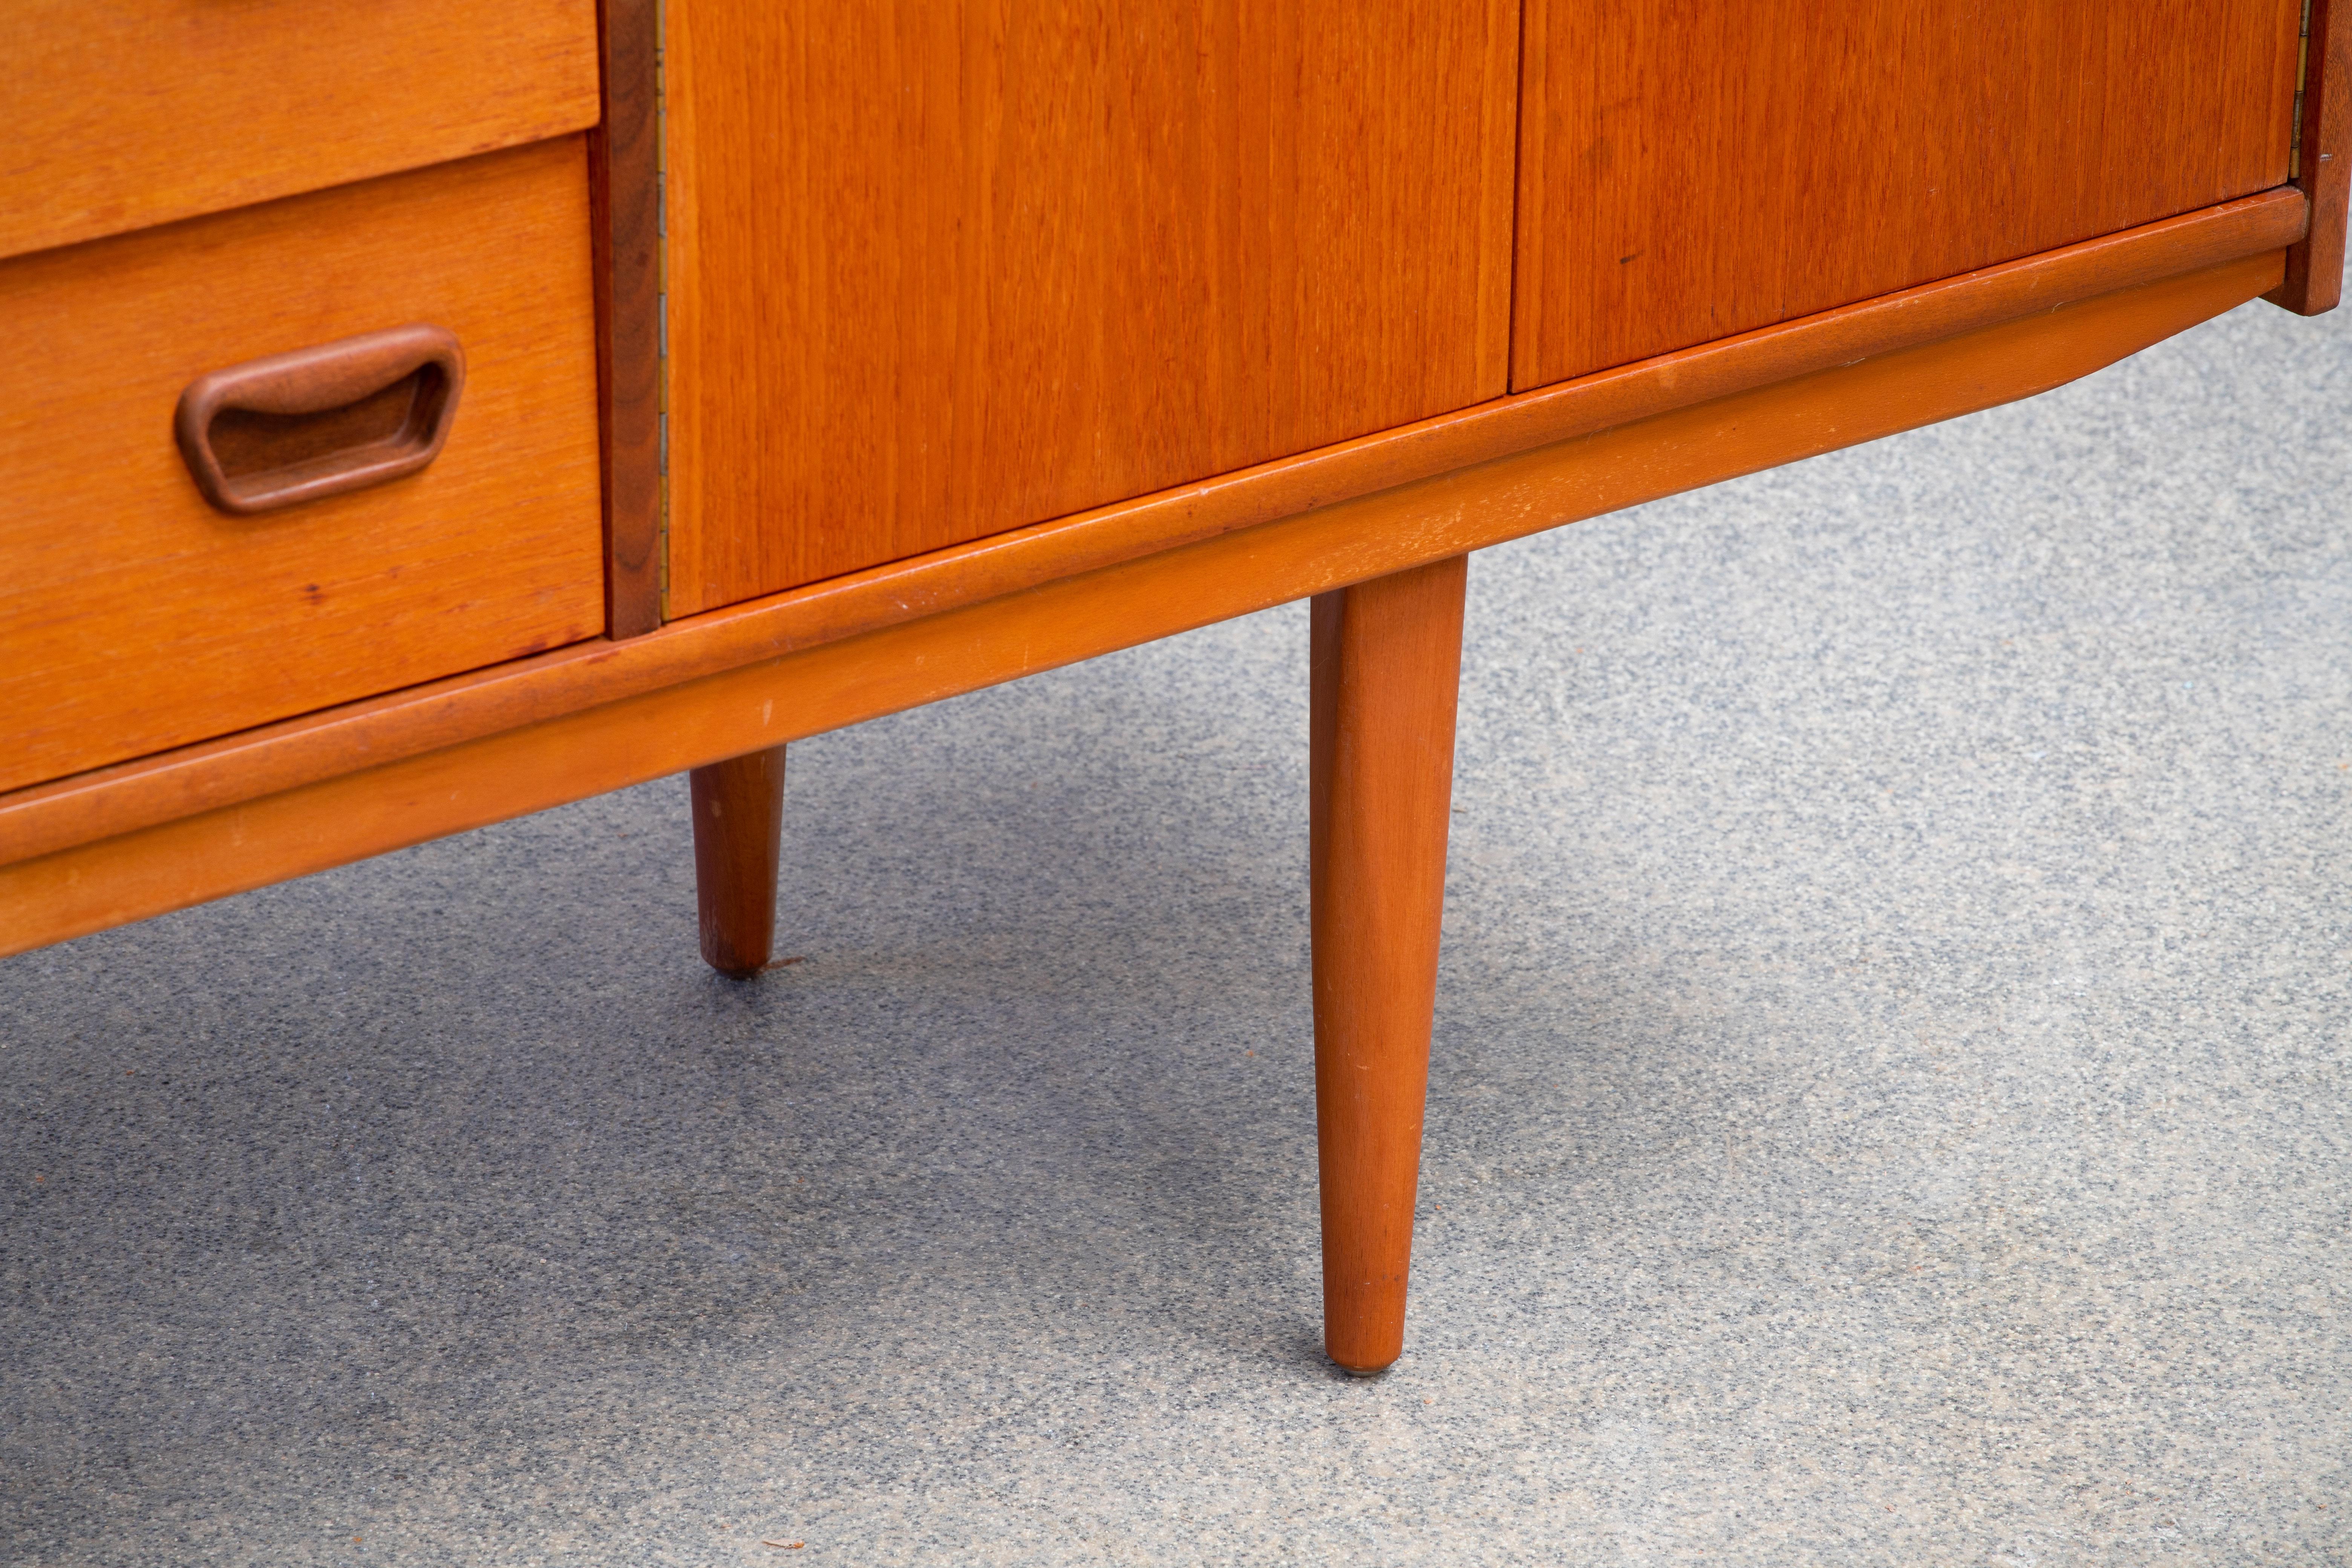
(319, 421)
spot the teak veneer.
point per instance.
(1944, 138)
(861, 355)
(124, 114)
(1056, 254)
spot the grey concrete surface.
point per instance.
(1888, 1104)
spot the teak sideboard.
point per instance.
(485, 404)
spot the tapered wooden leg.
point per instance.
(1387, 664)
(739, 827)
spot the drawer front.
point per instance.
(135, 616)
(126, 114)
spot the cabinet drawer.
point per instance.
(136, 616)
(126, 114)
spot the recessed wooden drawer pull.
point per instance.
(319, 421)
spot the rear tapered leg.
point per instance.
(1386, 663)
(739, 823)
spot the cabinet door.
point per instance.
(938, 269)
(1691, 168)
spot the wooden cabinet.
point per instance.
(976, 338)
(939, 270)
(1693, 169)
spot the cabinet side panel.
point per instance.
(1690, 169)
(624, 179)
(2315, 269)
(939, 270)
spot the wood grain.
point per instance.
(2315, 269)
(625, 184)
(213, 774)
(938, 270)
(1385, 667)
(676, 727)
(126, 114)
(136, 617)
(739, 830)
(1691, 168)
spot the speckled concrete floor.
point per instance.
(1889, 1100)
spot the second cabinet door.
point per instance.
(938, 269)
(1691, 168)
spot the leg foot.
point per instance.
(1387, 664)
(739, 823)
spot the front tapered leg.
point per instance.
(738, 826)
(1387, 663)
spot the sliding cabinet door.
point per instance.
(1690, 169)
(944, 267)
